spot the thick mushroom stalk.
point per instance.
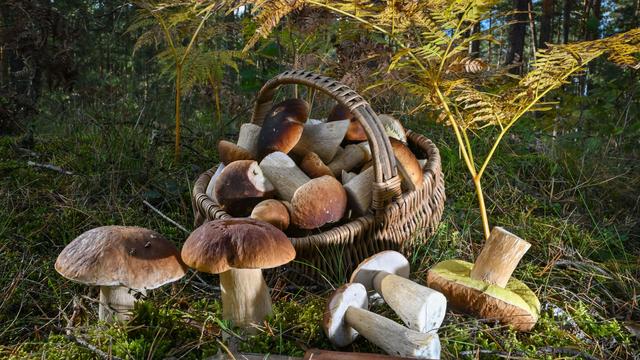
(358, 190)
(499, 257)
(352, 156)
(323, 139)
(486, 288)
(346, 317)
(116, 303)
(420, 308)
(245, 297)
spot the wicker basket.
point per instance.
(396, 220)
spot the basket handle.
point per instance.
(386, 185)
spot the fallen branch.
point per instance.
(166, 217)
(49, 167)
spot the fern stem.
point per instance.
(178, 90)
(483, 209)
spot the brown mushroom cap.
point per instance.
(282, 127)
(356, 131)
(408, 166)
(320, 201)
(133, 257)
(240, 186)
(220, 245)
(313, 166)
(230, 152)
(272, 211)
(515, 305)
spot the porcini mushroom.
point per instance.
(323, 139)
(352, 156)
(248, 138)
(486, 288)
(212, 183)
(238, 250)
(122, 261)
(359, 193)
(313, 166)
(314, 202)
(272, 211)
(282, 127)
(408, 166)
(355, 131)
(420, 308)
(346, 316)
(240, 186)
(230, 152)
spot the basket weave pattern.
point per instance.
(397, 221)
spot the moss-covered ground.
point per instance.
(577, 205)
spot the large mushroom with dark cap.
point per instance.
(282, 127)
(122, 260)
(238, 250)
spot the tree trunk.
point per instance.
(545, 23)
(474, 47)
(566, 20)
(593, 17)
(517, 32)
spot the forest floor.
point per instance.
(576, 204)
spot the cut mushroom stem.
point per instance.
(352, 156)
(420, 308)
(212, 183)
(346, 317)
(245, 297)
(499, 257)
(248, 138)
(323, 139)
(359, 191)
(116, 303)
(284, 174)
(392, 337)
(347, 176)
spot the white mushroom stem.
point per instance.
(392, 337)
(323, 139)
(359, 191)
(347, 176)
(419, 307)
(284, 174)
(212, 183)
(248, 138)
(116, 303)
(245, 297)
(499, 257)
(352, 156)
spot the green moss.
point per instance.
(515, 293)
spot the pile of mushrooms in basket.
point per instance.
(302, 174)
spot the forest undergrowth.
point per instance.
(572, 198)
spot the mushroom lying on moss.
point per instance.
(486, 288)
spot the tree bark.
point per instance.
(566, 20)
(474, 47)
(545, 23)
(593, 17)
(517, 32)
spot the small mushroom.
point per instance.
(238, 250)
(313, 166)
(346, 316)
(122, 261)
(240, 186)
(486, 288)
(282, 127)
(314, 202)
(355, 131)
(272, 211)
(420, 308)
(230, 152)
(212, 183)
